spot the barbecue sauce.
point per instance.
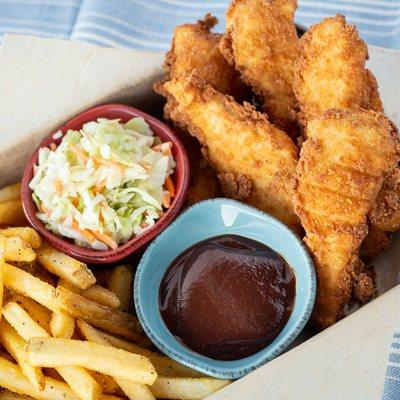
(227, 297)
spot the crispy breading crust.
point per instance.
(342, 166)
(235, 187)
(195, 46)
(261, 42)
(331, 73)
(240, 141)
(385, 215)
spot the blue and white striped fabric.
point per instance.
(391, 390)
(148, 24)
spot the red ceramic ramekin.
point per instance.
(180, 178)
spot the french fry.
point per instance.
(7, 395)
(96, 293)
(107, 384)
(29, 235)
(22, 322)
(163, 365)
(2, 267)
(80, 381)
(106, 318)
(41, 273)
(36, 311)
(62, 325)
(45, 352)
(17, 250)
(101, 295)
(12, 192)
(141, 341)
(11, 213)
(120, 283)
(14, 344)
(12, 378)
(65, 267)
(133, 390)
(24, 283)
(186, 388)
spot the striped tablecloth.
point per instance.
(148, 24)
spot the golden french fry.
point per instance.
(14, 344)
(62, 325)
(12, 192)
(11, 212)
(80, 381)
(41, 273)
(7, 395)
(96, 293)
(101, 295)
(29, 235)
(24, 283)
(141, 340)
(36, 311)
(45, 352)
(120, 283)
(106, 318)
(107, 384)
(12, 378)
(2, 267)
(163, 365)
(22, 322)
(186, 388)
(17, 250)
(65, 267)
(133, 390)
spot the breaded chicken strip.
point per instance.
(195, 46)
(342, 166)
(256, 161)
(331, 73)
(261, 41)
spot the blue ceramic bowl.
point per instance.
(208, 219)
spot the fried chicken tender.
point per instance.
(255, 160)
(342, 166)
(261, 42)
(195, 46)
(331, 72)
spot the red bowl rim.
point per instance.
(108, 256)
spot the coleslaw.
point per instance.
(105, 183)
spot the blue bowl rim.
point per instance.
(204, 366)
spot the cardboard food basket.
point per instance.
(44, 82)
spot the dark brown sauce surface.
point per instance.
(227, 297)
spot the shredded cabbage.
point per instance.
(105, 183)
